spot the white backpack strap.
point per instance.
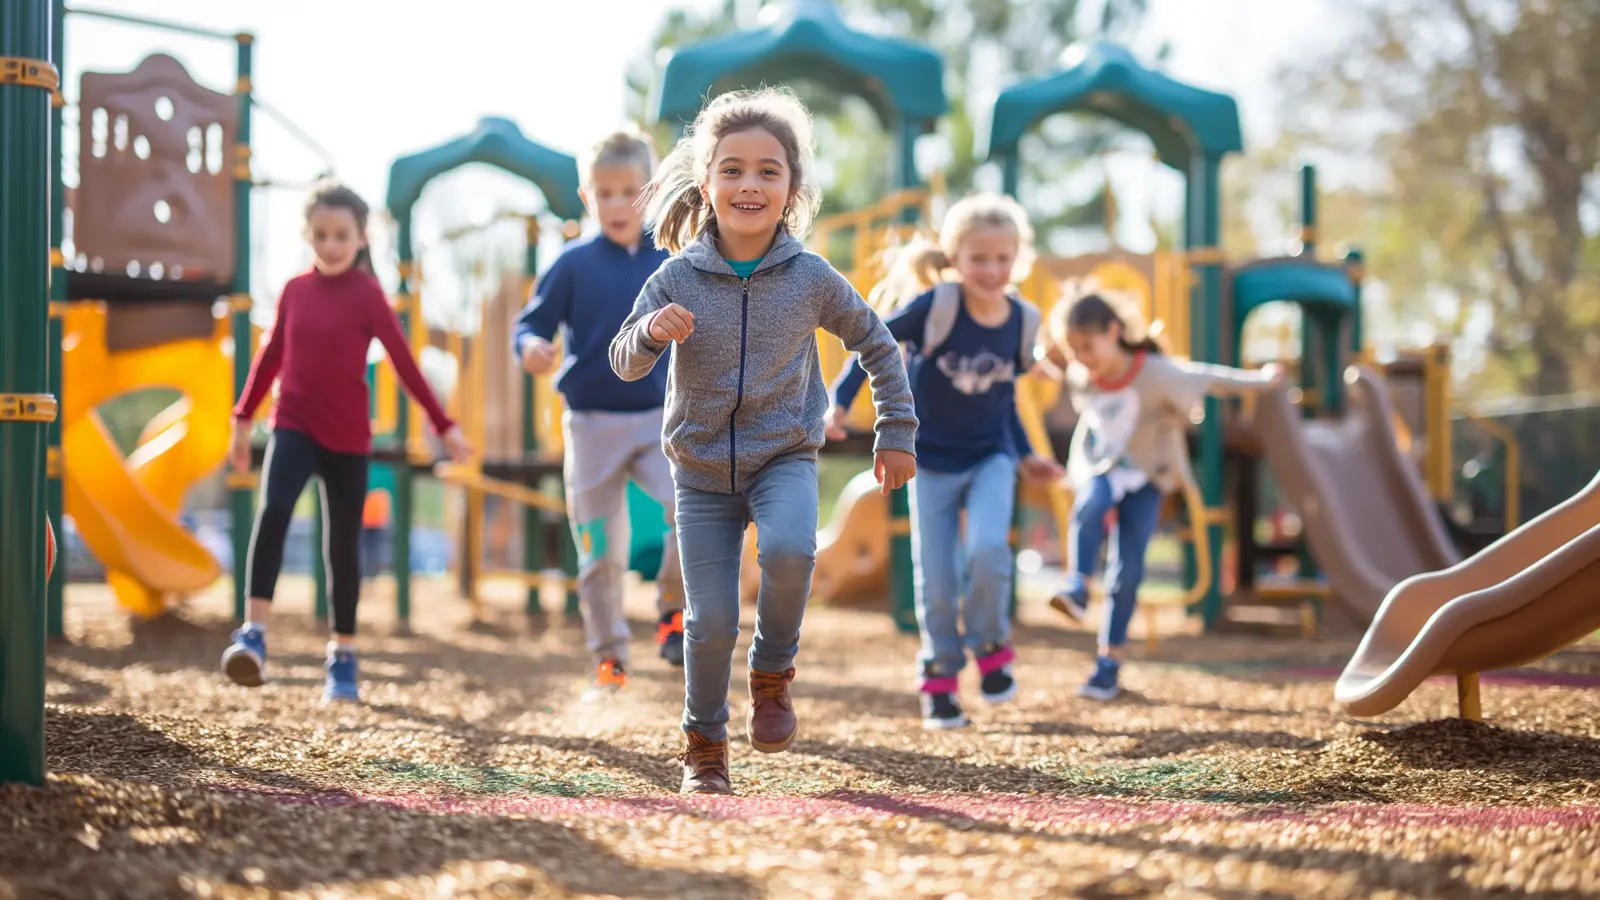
(941, 317)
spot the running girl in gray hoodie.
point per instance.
(746, 401)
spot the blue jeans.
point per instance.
(944, 562)
(782, 501)
(1137, 515)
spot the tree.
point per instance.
(1479, 120)
(986, 45)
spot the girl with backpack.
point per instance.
(967, 341)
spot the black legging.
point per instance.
(292, 458)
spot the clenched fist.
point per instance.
(671, 323)
(538, 356)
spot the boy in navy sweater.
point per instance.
(611, 427)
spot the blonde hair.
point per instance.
(922, 263)
(623, 148)
(676, 209)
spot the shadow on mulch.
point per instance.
(114, 745)
(660, 771)
(1460, 744)
(79, 837)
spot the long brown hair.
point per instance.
(677, 211)
(1093, 312)
(330, 194)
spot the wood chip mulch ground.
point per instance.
(473, 771)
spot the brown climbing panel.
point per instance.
(140, 325)
(155, 193)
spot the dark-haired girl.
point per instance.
(1128, 451)
(327, 318)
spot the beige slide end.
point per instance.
(1367, 517)
(1522, 598)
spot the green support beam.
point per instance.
(319, 558)
(241, 506)
(1201, 236)
(404, 508)
(27, 82)
(55, 622)
(902, 574)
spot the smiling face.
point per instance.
(610, 196)
(985, 258)
(335, 236)
(748, 186)
(1098, 351)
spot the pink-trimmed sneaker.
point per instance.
(941, 711)
(998, 684)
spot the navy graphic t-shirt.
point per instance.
(965, 395)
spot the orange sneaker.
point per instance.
(609, 677)
(669, 634)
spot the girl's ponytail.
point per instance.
(672, 199)
(913, 269)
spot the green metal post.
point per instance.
(1355, 266)
(403, 506)
(241, 498)
(55, 620)
(1011, 173)
(901, 571)
(1312, 331)
(1310, 325)
(26, 82)
(1201, 238)
(319, 557)
(573, 609)
(533, 546)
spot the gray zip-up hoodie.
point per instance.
(745, 389)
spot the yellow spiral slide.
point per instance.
(126, 508)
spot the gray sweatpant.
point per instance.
(604, 451)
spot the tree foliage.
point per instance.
(1475, 136)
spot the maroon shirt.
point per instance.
(317, 349)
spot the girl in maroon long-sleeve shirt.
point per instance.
(317, 352)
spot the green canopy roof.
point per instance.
(1105, 78)
(497, 142)
(1318, 285)
(807, 40)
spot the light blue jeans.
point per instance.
(782, 501)
(1137, 516)
(945, 563)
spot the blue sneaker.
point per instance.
(1102, 685)
(245, 660)
(341, 684)
(1072, 600)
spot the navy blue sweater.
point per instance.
(586, 294)
(966, 395)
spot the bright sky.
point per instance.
(374, 79)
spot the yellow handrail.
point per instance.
(1030, 412)
(1513, 473)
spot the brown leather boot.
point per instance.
(771, 722)
(705, 766)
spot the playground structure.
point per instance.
(134, 306)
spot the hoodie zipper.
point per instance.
(738, 398)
